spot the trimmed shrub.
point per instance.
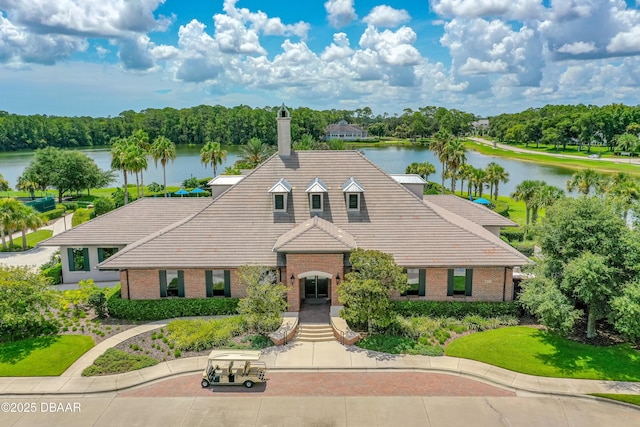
(199, 334)
(168, 308)
(526, 248)
(115, 361)
(80, 216)
(54, 274)
(54, 213)
(455, 309)
(502, 208)
(512, 234)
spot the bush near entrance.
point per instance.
(168, 308)
(456, 309)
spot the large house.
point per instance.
(345, 131)
(300, 214)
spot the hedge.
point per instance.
(168, 308)
(54, 273)
(80, 216)
(54, 213)
(513, 234)
(502, 208)
(527, 247)
(457, 309)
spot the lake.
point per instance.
(390, 159)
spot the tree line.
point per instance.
(229, 126)
(615, 126)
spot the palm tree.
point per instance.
(26, 219)
(254, 152)
(120, 161)
(212, 153)
(623, 190)
(163, 149)
(437, 145)
(138, 162)
(495, 175)
(4, 184)
(455, 153)
(140, 139)
(8, 214)
(526, 192)
(478, 178)
(465, 172)
(584, 180)
(544, 197)
(423, 169)
(25, 184)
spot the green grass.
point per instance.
(44, 356)
(32, 239)
(634, 399)
(535, 352)
(564, 162)
(115, 361)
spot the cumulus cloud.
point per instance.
(88, 18)
(340, 12)
(134, 53)
(510, 9)
(577, 48)
(393, 47)
(338, 49)
(625, 42)
(262, 23)
(386, 16)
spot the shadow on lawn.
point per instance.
(617, 362)
(14, 352)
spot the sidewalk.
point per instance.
(298, 356)
(37, 256)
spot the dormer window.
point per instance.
(316, 190)
(352, 192)
(280, 191)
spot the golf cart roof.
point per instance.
(234, 355)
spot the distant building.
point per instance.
(345, 131)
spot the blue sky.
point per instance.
(102, 57)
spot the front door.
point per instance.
(316, 287)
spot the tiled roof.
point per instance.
(352, 186)
(316, 186)
(130, 223)
(240, 226)
(469, 210)
(314, 235)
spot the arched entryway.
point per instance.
(315, 287)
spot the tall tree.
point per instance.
(212, 154)
(423, 169)
(254, 152)
(163, 149)
(495, 175)
(455, 157)
(26, 219)
(583, 181)
(526, 192)
(438, 145)
(120, 161)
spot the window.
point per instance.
(354, 202)
(171, 283)
(78, 259)
(316, 202)
(416, 279)
(218, 283)
(106, 253)
(278, 202)
(460, 282)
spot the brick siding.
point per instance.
(300, 263)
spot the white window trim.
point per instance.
(284, 206)
(356, 209)
(311, 202)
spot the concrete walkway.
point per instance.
(37, 256)
(298, 356)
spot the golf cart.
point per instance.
(234, 368)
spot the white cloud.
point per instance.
(393, 47)
(577, 48)
(134, 53)
(234, 37)
(510, 9)
(260, 22)
(625, 42)
(475, 66)
(386, 16)
(338, 49)
(86, 18)
(340, 12)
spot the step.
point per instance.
(315, 333)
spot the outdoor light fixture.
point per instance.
(292, 278)
(338, 278)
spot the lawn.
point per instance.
(565, 162)
(535, 352)
(44, 356)
(32, 239)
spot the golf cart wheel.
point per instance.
(248, 384)
(204, 383)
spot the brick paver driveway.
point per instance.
(336, 384)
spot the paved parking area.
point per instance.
(328, 384)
